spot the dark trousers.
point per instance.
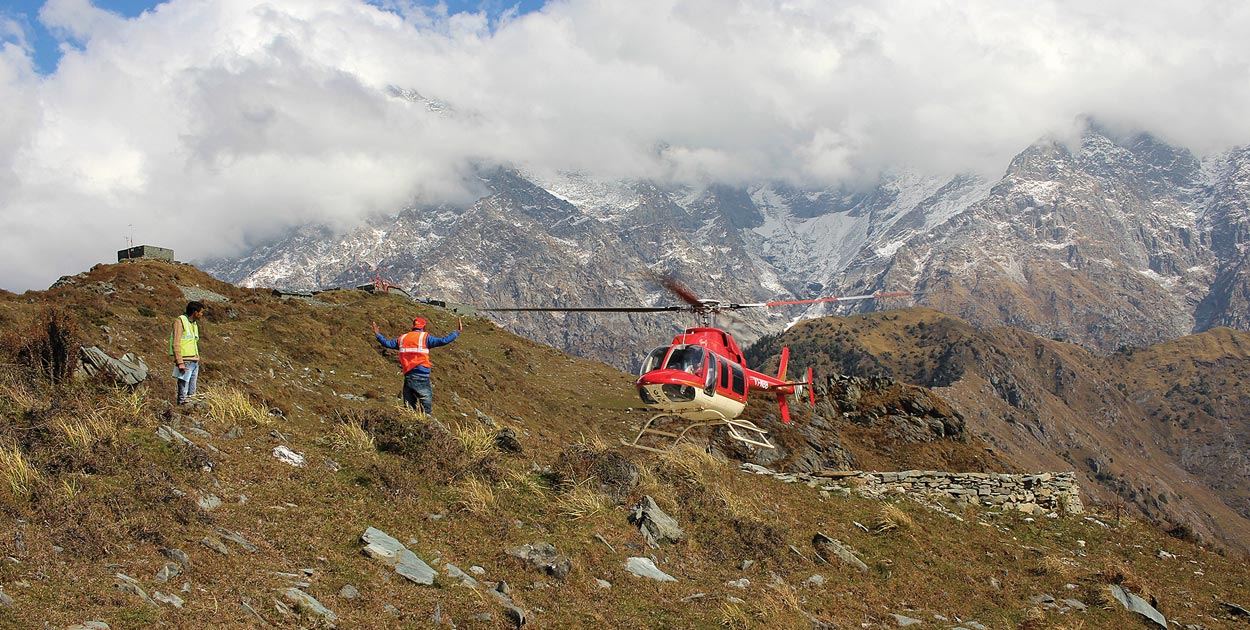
(417, 388)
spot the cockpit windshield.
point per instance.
(654, 360)
(686, 358)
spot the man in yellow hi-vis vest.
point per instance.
(184, 345)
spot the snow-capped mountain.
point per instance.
(1113, 242)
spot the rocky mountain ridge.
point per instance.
(1111, 242)
(1161, 428)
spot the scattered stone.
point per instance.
(605, 542)
(603, 583)
(172, 600)
(168, 572)
(903, 621)
(128, 369)
(130, 585)
(816, 580)
(506, 440)
(487, 617)
(544, 558)
(391, 609)
(177, 556)
(746, 564)
(1075, 604)
(476, 570)
(1045, 600)
(235, 432)
(246, 605)
(455, 573)
(89, 625)
(349, 592)
(656, 526)
(288, 456)
(200, 294)
(734, 600)
(644, 567)
(1235, 610)
(741, 583)
(214, 543)
(826, 546)
(694, 596)
(1166, 555)
(382, 546)
(168, 434)
(1136, 604)
(6, 601)
(209, 502)
(304, 601)
(236, 539)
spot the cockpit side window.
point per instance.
(654, 360)
(686, 358)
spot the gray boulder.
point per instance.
(544, 558)
(656, 526)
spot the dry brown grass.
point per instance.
(891, 518)
(85, 432)
(475, 496)
(17, 473)
(689, 463)
(351, 437)
(734, 616)
(582, 501)
(131, 404)
(477, 440)
(228, 406)
(1053, 566)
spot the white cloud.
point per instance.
(240, 117)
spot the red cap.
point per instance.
(418, 322)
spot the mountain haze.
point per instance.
(1107, 242)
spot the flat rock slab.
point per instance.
(644, 567)
(825, 545)
(382, 546)
(307, 602)
(1136, 604)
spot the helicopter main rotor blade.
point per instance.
(590, 309)
(848, 298)
(681, 291)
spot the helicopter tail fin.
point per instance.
(785, 361)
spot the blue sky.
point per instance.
(46, 44)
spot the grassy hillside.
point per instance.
(520, 452)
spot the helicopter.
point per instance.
(701, 378)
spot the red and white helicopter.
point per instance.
(701, 378)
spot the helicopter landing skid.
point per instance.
(741, 430)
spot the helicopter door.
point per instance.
(709, 385)
(739, 380)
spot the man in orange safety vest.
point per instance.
(414, 359)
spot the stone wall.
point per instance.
(1032, 494)
(149, 252)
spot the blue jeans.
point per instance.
(186, 386)
(417, 388)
